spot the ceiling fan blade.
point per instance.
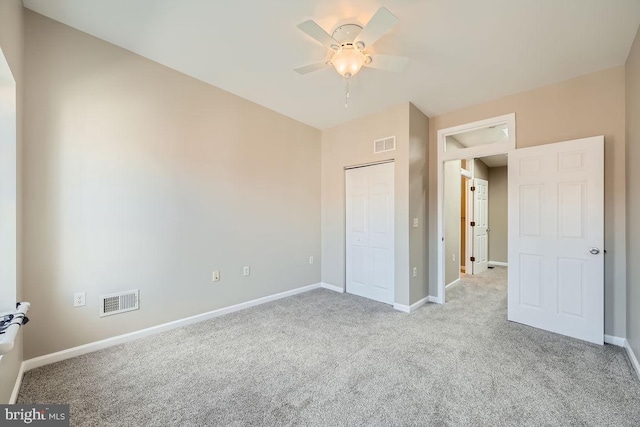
(381, 23)
(318, 34)
(388, 62)
(306, 69)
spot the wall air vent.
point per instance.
(384, 144)
(120, 302)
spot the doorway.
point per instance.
(482, 139)
(370, 245)
(480, 240)
(555, 222)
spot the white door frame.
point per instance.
(459, 154)
(465, 174)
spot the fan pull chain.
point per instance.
(346, 93)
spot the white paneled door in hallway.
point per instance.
(480, 226)
(556, 238)
(370, 232)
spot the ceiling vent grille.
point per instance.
(120, 302)
(384, 144)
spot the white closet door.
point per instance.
(556, 238)
(370, 232)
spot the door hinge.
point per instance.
(473, 188)
(473, 223)
(472, 259)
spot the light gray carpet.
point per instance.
(324, 358)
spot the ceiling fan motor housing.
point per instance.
(347, 33)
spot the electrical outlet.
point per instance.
(415, 271)
(453, 257)
(310, 260)
(246, 270)
(79, 299)
(216, 276)
(415, 222)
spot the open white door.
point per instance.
(556, 238)
(370, 232)
(480, 225)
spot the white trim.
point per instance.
(332, 287)
(498, 264)
(419, 304)
(452, 284)
(433, 299)
(466, 153)
(623, 342)
(632, 357)
(413, 307)
(47, 359)
(613, 340)
(402, 307)
(468, 229)
(16, 387)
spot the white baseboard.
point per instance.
(47, 359)
(411, 308)
(622, 342)
(452, 284)
(402, 307)
(613, 340)
(436, 300)
(633, 358)
(16, 387)
(418, 304)
(498, 264)
(332, 287)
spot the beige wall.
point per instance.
(11, 42)
(451, 194)
(140, 177)
(480, 170)
(633, 194)
(352, 144)
(585, 106)
(418, 188)
(498, 236)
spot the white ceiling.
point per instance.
(482, 136)
(495, 161)
(462, 52)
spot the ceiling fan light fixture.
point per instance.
(348, 61)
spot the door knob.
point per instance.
(594, 251)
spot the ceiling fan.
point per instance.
(350, 44)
